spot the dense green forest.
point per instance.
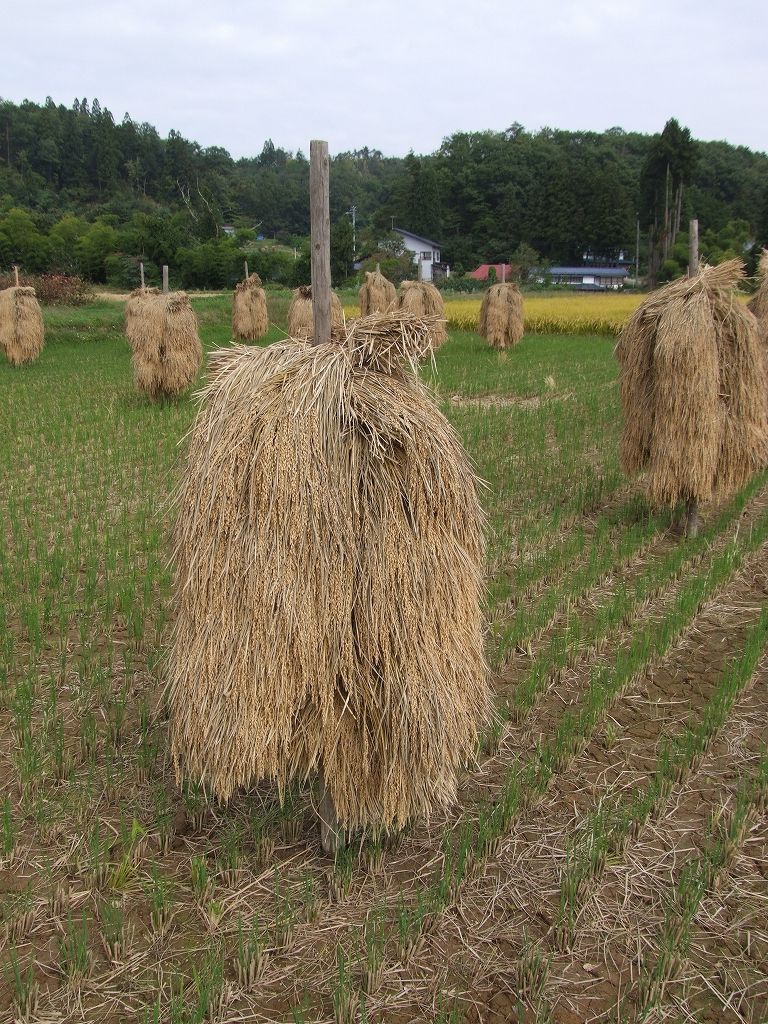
(83, 193)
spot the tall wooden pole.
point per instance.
(693, 248)
(141, 272)
(331, 835)
(320, 225)
(246, 269)
(165, 277)
(16, 273)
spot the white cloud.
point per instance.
(399, 75)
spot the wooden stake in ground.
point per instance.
(245, 264)
(165, 277)
(331, 836)
(141, 274)
(693, 248)
(16, 274)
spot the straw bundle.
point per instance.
(501, 316)
(758, 304)
(249, 310)
(329, 559)
(693, 389)
(377, 294)
(300, 323)
(135, 315)
(21, 325)
(167, 352)
(422, 299)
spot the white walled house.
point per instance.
(424, 251)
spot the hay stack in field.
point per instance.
(693, 389)
(501, 315)
(21, 325)
(758, 304)
(422, 299)
(250, 320)
(329, 578)
(135, 315)
(300, 323)
(377, 294)
(167, 352)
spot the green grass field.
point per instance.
(607, 858)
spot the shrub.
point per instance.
(54, 289)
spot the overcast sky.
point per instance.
(397, 75)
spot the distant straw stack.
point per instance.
(136, 313)
(758, 304)
(250, 320)
(167, 352)
(377, 294)
(21, 325)
(300, 323)
(501, 315)
(693, 389)
(422, 299)
(329, 579)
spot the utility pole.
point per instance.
(637, 254)
(353, 212)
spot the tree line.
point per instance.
(83, 192)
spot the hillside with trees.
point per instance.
(81, 192)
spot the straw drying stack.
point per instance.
(422, 299)
(167, 352)
(377, 294)
(758, 304)
(329, 577)
(501, 315)
(249, 310)
(300, 323)
(136, 314)
(693, 389)
(21, 325)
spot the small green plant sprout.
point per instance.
(344, 995)
(133, 839)
(285, 915)
(610, 734)
(309, 898)
(202, 885)
(23, 985)
(74, 951)
(20, 916)
(375, 939)
(195, 804)
(291, 817)
(99, 849)
(532, 971)
(340, 878)
(208, 988)
(230, 855)
(116, 932)
(251, 955)
(262, 840)
(7, 833)
(160, 893)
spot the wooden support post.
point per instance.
(331, 835)
(246, 270)
(691, 518)
(165, 277)
(378, 268)
(320, 226)
(141, 274)
(503, 272)
(16, 273)
(693, 248)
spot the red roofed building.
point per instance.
(504, 271)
